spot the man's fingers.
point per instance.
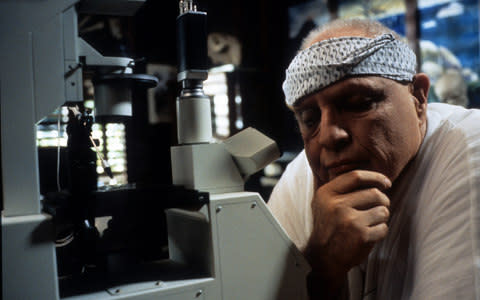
(366, 199)
(374, 216)
(377, 232)
(359, 179)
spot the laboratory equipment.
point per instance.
(223, 242)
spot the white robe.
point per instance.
(432, 250)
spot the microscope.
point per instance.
(221, 241)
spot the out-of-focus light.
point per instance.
(47, 134)
(64, 114)
(221, 99)
(97, 134)
(452, 10)
(239, 124)
(64, 111)
(115, 147)
(215, 89)
(221, 110)
(51, 142)
(221, 121)
(222, 131)
(116, 154)
(429, 24)
(238, 99)
(114, 133)
(118, 168)
(96, 126)
(114, 140)
(116, 161)
(115, 126)
(428, 3)
(109, 133)
(89, 104)
(223, 68)
(215, 84)
(272, 170)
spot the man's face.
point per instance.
(360, 123)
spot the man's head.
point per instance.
(363, 107)
(347, 27)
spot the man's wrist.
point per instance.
(322, 288)
(325, 281)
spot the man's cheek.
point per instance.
(313, 156)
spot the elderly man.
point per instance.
(384, 201)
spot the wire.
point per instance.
(62, 242)
(59, 188)
(106, 165)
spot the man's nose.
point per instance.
(333, 134)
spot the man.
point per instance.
(384, 201)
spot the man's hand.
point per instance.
(350, 215)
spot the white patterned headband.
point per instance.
(330, 60)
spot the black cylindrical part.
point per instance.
(192, 41)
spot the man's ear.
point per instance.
(421, 86)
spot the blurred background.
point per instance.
(250, 44)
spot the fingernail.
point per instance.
(388, 183)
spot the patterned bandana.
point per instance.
(333, 59)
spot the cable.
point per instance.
(106, 165)
(59, 188)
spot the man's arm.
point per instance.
(350, 215)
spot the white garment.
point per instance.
(432, 250)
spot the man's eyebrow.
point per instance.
(300, 104)
(359, 85)
(354, 88)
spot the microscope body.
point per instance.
(42, 59)
(229, 246)
(37, 52)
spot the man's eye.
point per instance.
(309, 118)
(362, 104)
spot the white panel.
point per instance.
(252, 150)
(257, 261)
(205, 167)
(48, 67)
(194, 289)
(19, 155)
(73, 80)
(29, 269)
